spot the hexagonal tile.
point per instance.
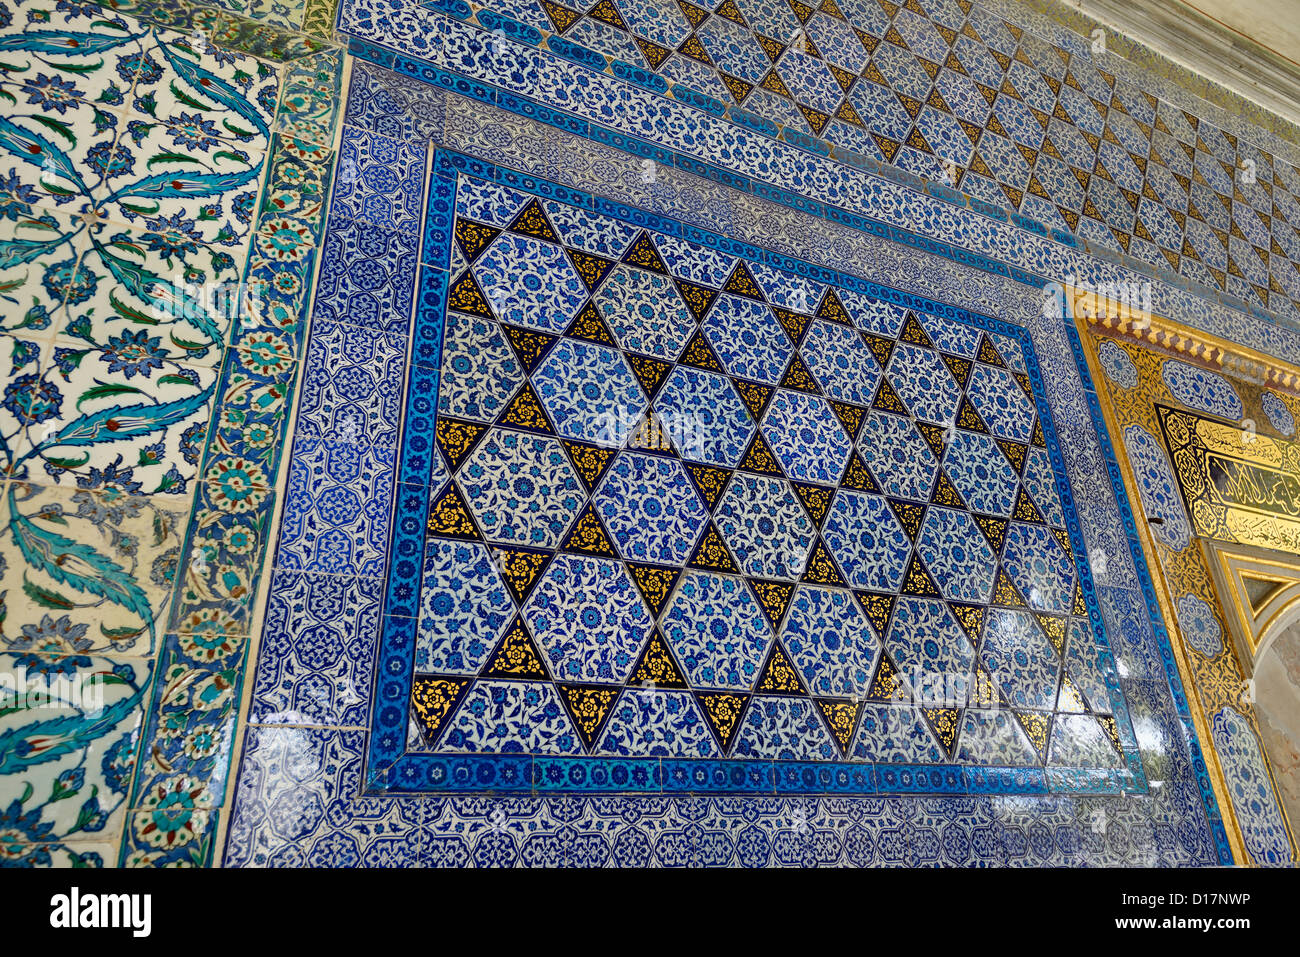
(479, 371)
(931, 651)
(1001, 403)
(464, 608)
(589, 619)
(899, 458)
(765, 527)
(806, 437)
(867, 541)
(644, 312)
(748, 340)
(981, 473)
(650, 507)
(717, 630)
(840, 362)
(530, 283)
(957, 555)
(521, 489)
(830, 641)
(589, 392)
(924, 383)
(1042, 572)
(704, 417)
(1021, 659)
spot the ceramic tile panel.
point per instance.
(497, 692)
(626, 323)
(1004, 106)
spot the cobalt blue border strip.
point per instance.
(389, 769)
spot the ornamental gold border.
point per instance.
(1166, 338)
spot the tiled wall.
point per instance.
(152, 464)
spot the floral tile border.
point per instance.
(97, 804)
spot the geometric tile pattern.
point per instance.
(721, 519)
(954, 93)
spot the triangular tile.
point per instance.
(944, 723)
(857, 476)
(994, 529)
(822, 569)
(590, 461)
(832, 309)
(651, 373)
(971, 619)
(457, 439)
(520, 568)
(793, 323)
(1054, 627)
(525, 412)
(473, 237)
(589, 537)
(466, 296)
(915, 333)
(516, 657)
(969, 419)
(606, 12)
(887, 399)
(1006, 593)
(910, 516)
(655, 584)
(698, 299)
(530, 346)
(779, 675)
(741, 283)
(699, 354)
(760, 459)
(887, 685)
(816, 500)
(798, 377)
(591, 269)
(1026, 510)
(654, 54)
(693, 48)
(918, 582)
(722, 710)
(945, 493)
(710, 482)
(774, 597)
(532, 221)
(1015, 453)
(589, 706)
(433, 699)
(712, 555)
(935, 438)
(561, 17)
(959, 367)
(642, 253)
(589, 326)
(878, 608)
(850, 416)
(754, 396)
(841, 716)
(737, 87)
(657, 667)
(449, 516)
(1037, 728)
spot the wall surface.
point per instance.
(644, 434)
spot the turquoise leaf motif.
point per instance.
(214, 88)
(78, 565)
(42, 741)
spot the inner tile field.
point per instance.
(698, 517)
